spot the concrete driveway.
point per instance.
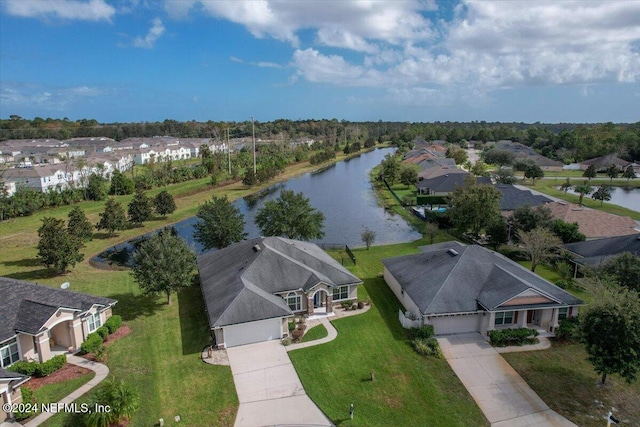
(269, 389)
(502, 395)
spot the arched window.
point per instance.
(294, 301)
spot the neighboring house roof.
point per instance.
(606, 161)
(447, 183)
(523, 152)
(32, 172)
(14, 378)
(594, 252)
(452, 278)
(513, 198)
(593, 223)
(25, 306)
(439, 171)
(239, 281)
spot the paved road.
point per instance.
(269, 389)
(502, 395)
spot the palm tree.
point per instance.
(582, 190)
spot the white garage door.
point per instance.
(455, 324)
(248, 333)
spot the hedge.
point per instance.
(113, 323)
(103, 332)
(92, 343)
(426, 346)
(519, 336)
(35, 369)
(27, 398)
(432, 200)
(423, 332)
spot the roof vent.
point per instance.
(256, 248)
(453, 252)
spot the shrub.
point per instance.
(426, 346)
(423, 332)
(286, 341)
(35, 369)
(519, 336)
(103, 331)
(568, 329)
(113, 323)
(296, 334)
(292, 325)
(25, 368)
(101, 354)
(91, 344)
(27, 398)
(360, 304)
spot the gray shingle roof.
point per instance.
(513, 198)
(595, 252)
(15, 379)
(440, 282)
(447, 183)
(238, 283)
(26, 306)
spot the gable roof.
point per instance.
(13, 378)
(595, 252)
(239, 282)
(512, 197)
(447, 183)
(439, 171)
(440, 281)
(25, 306)
(594, 223)
(606, 161)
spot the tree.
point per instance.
(497, 232)
(79, 225)
(603, 193)
(163, 264)
(290, 216)
(250, 178)
(219, 224)
(140, 208)
(567, 232)
(499, 157)
(368, 237)
(533, 172)
(566, 186)
(505, 176)
(457, 154)
(613, 172)
(431, 230)
(57, 248)
(164, 204)
(390, 168)
(119, 397)
(113, 217)
(120, 184)
(408, 174)
(610, 329)
(96, 188)
(582, 190)
(474, 206)
(479, 169)
(526, 218)
(624, 269)
(629, 173)
(539, 244)
(590, 172)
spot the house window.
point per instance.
(294, 301)
(504, 318)
(9, 353)
(94, 322)
(562, 313)
(341, 292)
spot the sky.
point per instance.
(366, 60)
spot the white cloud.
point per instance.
(92, 10)
(19, 95)
(265, 64)
(236, 59)
(148, 41)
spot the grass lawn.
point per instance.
(315, 333)
(51, 393)
(408, 389)
(552, 276)
(566, 381)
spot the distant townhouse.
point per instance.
(41, 178)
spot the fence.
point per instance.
(407, 322)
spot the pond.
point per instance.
(626, 197)
(342, 192)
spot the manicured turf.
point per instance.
(315, 333)
(408, 389)
(51, 393)
(566, 381)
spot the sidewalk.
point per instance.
(101, 373)
(330, 329)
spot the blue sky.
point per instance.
(414, 60)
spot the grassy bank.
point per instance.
(408, 389)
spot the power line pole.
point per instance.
(253, 138)
(229, 151)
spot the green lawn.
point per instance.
(51, 393)
(408, 389)
(552, 276)
(566, 381)
(315, 333)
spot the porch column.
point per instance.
(492, 321)
(44, 349)
(75, 331)
(522, 318)
(9, 402)
(554, 319)
(309, 306)
(329, 303)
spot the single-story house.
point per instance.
(444, 185)
(10, 393)
(593, 223)
(459, 289)
(253, 288)
(37, 322)
(438, 171)
(512, 198)
(602, 163)
(592, 253)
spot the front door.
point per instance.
(317, 299)
(536, 317)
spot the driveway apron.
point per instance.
(502, 395)
(268, 387)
